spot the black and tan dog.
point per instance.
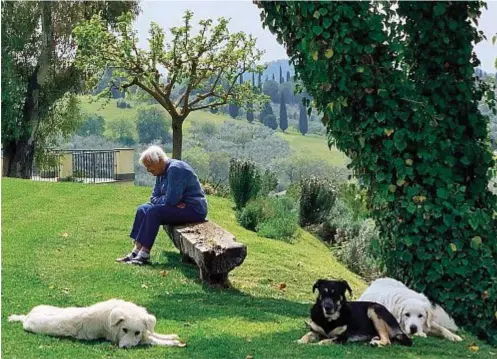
(334, 320)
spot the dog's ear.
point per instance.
(116, 317)
(150, 322)
(317, 285)
(346, 287)
(429, 317)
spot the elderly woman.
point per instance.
(177, 198)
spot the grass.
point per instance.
(59, 242)
(304, 145)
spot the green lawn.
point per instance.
(305, 145)
(59, 242)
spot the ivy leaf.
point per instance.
(476, 242)
(315, 55)
(453, 247)
(388, 132)
(439, 9)
(317, 29)
(409, 162)
(329, 53)
(442, 193)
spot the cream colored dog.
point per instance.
(413, 310)
(123, 323)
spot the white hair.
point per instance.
(153, 154)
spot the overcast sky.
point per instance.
(245, 17)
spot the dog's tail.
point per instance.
(17, 318)
(441, 317)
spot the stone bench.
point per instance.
(213, 249)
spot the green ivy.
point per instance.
(405, 111)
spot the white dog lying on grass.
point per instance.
(123, 323)
(413, 310)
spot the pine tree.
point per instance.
(303, 120)
(283, 114)
(288, 76)
(281, 76)
(273, 77)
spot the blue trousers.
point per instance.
(150, 217)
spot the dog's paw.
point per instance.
(326, 342)
(455, 338)
(420, 334)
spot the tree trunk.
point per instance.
(21, 152)
(177, 137)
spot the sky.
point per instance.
(245, 17)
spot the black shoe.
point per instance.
(127, 258)
(140, 261)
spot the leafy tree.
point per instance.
(38, 72)
(270, 121)
(152, 125)
(270, 88)
(266, 110)
(303, 125)
(190, 59)
(283, 114)
(121, 129)
(93, 125)
(415, 138)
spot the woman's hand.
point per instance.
(181, 205)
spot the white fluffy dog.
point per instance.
(118, 321)
(413, 310)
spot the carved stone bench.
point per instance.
(213, 249)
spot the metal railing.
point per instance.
(48, 172)
(88, 166)
(94, 166)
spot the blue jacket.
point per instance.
(179, 183)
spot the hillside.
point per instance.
(309, 145)
(59, 247)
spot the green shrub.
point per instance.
(356, 251)
(355, 199)
(317, 197)
(280, 220)
(271, 217)
(244, 180)
(269, 182)
(250, 216)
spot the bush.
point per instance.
(317, 197)
(271, 217)
(123, 104)
(269, 182)
(244, 180)
(357, 252)
(280, 219)
(251, 215)
(355, 199)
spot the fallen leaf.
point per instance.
(282, 286)
(65, 235)
(249, 357)
(249, 340)
(51, 287)
(145, 286)
(163, 273)
(473, 347)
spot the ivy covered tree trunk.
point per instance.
(417, 143)
(460, 245)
